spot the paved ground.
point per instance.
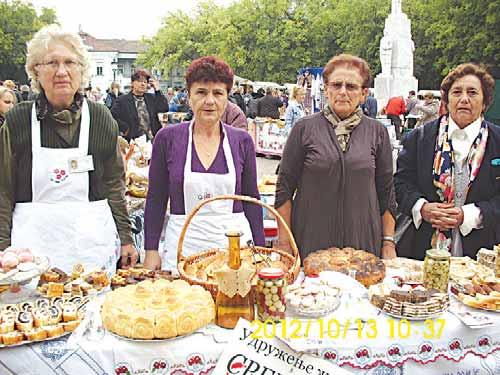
(266, 165)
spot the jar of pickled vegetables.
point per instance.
(437, 270)
(270, 299)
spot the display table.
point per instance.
(269, 136)
(104, 353)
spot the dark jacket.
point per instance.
(237, 99)
(268, 107)
(111, 99)
(125, 113)
(413, 180)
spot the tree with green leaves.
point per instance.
(18, 25)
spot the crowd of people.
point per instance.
(62, 173)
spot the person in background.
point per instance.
(335, 184)
(394, 109)
(199, 159)
(236, 98)
(429, 109)
(137, 111)
(113, 94)
(170, 95)
(448, 175)
(13, 87)
(251, 102)
(62, 176)
(411, 109)
(295, 109)
(370, 105)
(25, 92)
(7, 101)
(234, 116)
(269, 105)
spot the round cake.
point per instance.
(157, 309)
(369, 269)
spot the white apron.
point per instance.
(60, 222)
(208, 227)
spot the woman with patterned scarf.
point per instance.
(61, 172)
(335, 186)
(448, 178)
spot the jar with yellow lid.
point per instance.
(437, 269)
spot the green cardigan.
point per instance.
(106, 181)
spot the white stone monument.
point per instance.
(396, 58)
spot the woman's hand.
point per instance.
(152, 261)
(442, 216)
(129, 256)
(388, 250)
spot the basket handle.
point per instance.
(234, 197)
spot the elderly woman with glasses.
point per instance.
(448, 177)
(335, 186)
(61, 172)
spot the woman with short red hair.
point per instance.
(197, 160)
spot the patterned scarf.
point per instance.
(143, 114)
(443, 172)
(343, 128)
(66, 116)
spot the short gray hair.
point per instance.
(39, 46)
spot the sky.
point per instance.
(122, 19)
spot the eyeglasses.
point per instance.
(337, 86)
(53, 65)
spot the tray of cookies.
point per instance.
(57, 283)
(19, 266)
(408, 303)
(481, 293)
(312, 300)
(134, 275)
(40, 320)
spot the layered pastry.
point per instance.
(369, 269)
(157, 309)
(408, 302)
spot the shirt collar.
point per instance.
(471, 130)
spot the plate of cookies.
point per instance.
(408, 303)
(19, 266)
(56, 283)
(40, 320)
(313, 299)
(134, 275)
(481, 293)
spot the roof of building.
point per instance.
(112, 45)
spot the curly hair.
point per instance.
(349, 61)
(209, 69)
(39, 46)
(140, 73)
(487, 81)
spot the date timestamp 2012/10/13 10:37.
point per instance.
(335, 329)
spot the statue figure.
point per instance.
(396, 7)
(386, 54)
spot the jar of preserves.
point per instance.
(271, 286)
(437, 270)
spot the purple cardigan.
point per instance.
(166, 178)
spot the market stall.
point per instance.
(344, 311)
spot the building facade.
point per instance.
(111, 60)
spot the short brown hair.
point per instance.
(487, 81)
(209, 69)
(348, 61)
(140, 73)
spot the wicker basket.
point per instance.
(292, 262)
